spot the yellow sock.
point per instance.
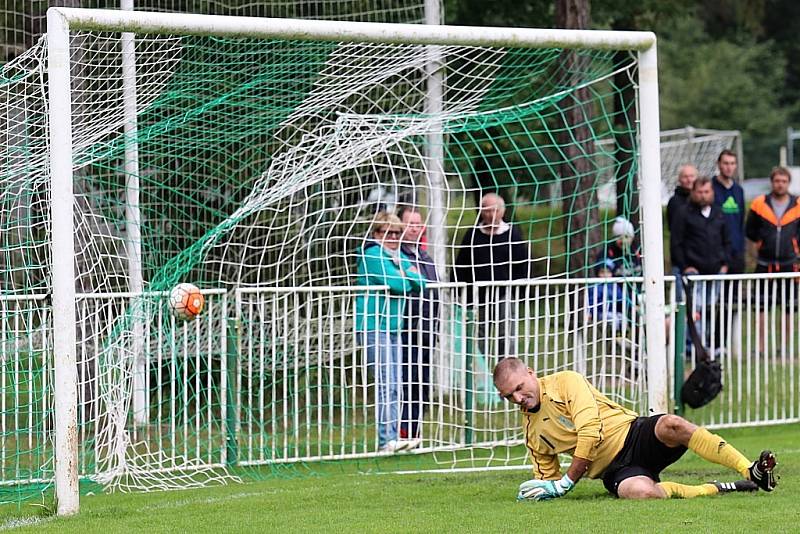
(682, 491)
(715, 449)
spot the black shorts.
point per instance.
(774, 292)
(642, 454)
(736, 264)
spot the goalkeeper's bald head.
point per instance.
(506, 368)
(516, 383)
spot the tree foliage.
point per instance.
(724, 84)
(723, 63)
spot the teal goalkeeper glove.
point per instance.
(544, 490)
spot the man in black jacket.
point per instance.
(493, 251)
(687, 174)
(686, 177)
(419, 330)
(700, 245)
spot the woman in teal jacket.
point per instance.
(379, 319)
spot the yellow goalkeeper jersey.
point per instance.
(576, 419)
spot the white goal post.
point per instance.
(60, 21)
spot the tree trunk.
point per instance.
(624, 122)
(577, 175)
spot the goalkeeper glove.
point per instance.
(543, 490)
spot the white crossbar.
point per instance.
(340, 31)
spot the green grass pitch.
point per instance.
(456, 502)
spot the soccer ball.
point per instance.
(186, 301)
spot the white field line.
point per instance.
(206, 500)
(34, 520)
(18, 522)
(446, 471)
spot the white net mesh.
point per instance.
(699, 147)
(261, 166)
(685, 146)
(22, 22)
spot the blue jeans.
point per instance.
(383, 361)
(679, 296)
(706, 296)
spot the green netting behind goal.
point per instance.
(261, 165)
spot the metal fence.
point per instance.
(130, 347)
(26, 387)
(306, 390)
(279, 375)
(750, 323)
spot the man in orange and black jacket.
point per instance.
(773, 224)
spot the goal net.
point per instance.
(697, 146)
(253, 168)
(684, 146)
(23, 22)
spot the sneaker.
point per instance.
(625, 345)
(761, 471)
(405, 444)
(739, 485)
(410, 444)
(390, 447)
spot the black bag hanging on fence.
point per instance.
(705, 382)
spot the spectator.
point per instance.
(686, 177)
(610, 302)
(379, 317)
(625, 258)
(493, 251)
(607, 299)
(687, 174)
(700, 243)
(419, 332)
(729, 198)
(774, 225)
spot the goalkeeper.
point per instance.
(564, 413)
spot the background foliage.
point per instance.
(724, 64)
